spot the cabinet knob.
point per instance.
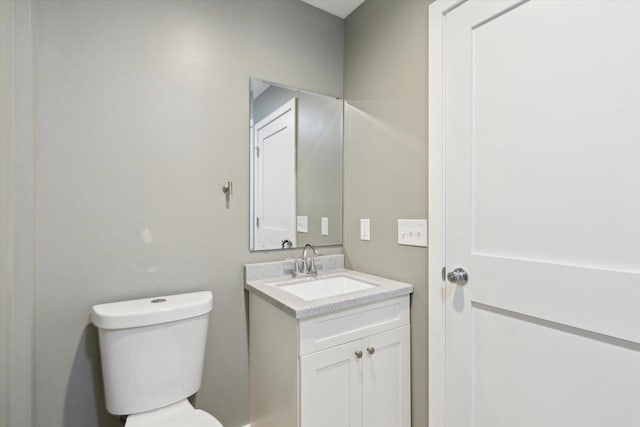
(358, 354)
(371, 350)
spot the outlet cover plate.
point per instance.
(324, 225)
(365, 229)
(303, 224)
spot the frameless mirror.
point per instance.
(296, 167)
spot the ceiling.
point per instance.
(339, 8)
(257, 87)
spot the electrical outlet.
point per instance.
(303, 224)
(365, 229)
(324, 225)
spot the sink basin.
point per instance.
(323, 288)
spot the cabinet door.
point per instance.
(386, 379)
(330, 387)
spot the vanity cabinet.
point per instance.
(348, 368)
(331, 387)
(361, 383)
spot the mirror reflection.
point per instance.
(296, 167)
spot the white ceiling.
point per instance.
(340, 8)
(257, 87)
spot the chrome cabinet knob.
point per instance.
(458, 276)
(371, 350)
(358, 354)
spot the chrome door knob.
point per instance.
(458, 276)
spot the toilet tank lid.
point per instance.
(151, 311)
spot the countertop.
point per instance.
(279, 274)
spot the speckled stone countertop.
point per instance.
(265, 280)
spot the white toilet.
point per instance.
(152, 354)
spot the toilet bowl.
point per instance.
(180, 414)
(152, 352)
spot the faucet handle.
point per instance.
(310, 265)
(301, 266)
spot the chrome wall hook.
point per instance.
(227, 189)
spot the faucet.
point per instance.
(306, 266)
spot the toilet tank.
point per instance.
(152, 350)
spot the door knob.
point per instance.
(371, 350)
(358, 354)
(458, 276)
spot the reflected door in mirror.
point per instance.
(275, 178)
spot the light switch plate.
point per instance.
(303, 224)
(365, 229)
(412, 232)
(324, 225)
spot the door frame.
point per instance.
(437, 261)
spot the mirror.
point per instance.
(296, 167)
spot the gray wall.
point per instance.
(319, 159)
(141, 116)
(6, 228)
(386, 154)
(23, 215)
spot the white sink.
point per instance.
(323, 288)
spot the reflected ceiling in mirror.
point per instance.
(296, 167)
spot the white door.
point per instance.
(542, 141)
(386, 379)
(275, 178)
(331, 387)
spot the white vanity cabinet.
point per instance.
(348, 368)
(368, 386)
(331, 387)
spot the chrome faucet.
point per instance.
(306, 266)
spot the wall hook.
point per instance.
(227, 189)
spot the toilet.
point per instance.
(152, 353)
